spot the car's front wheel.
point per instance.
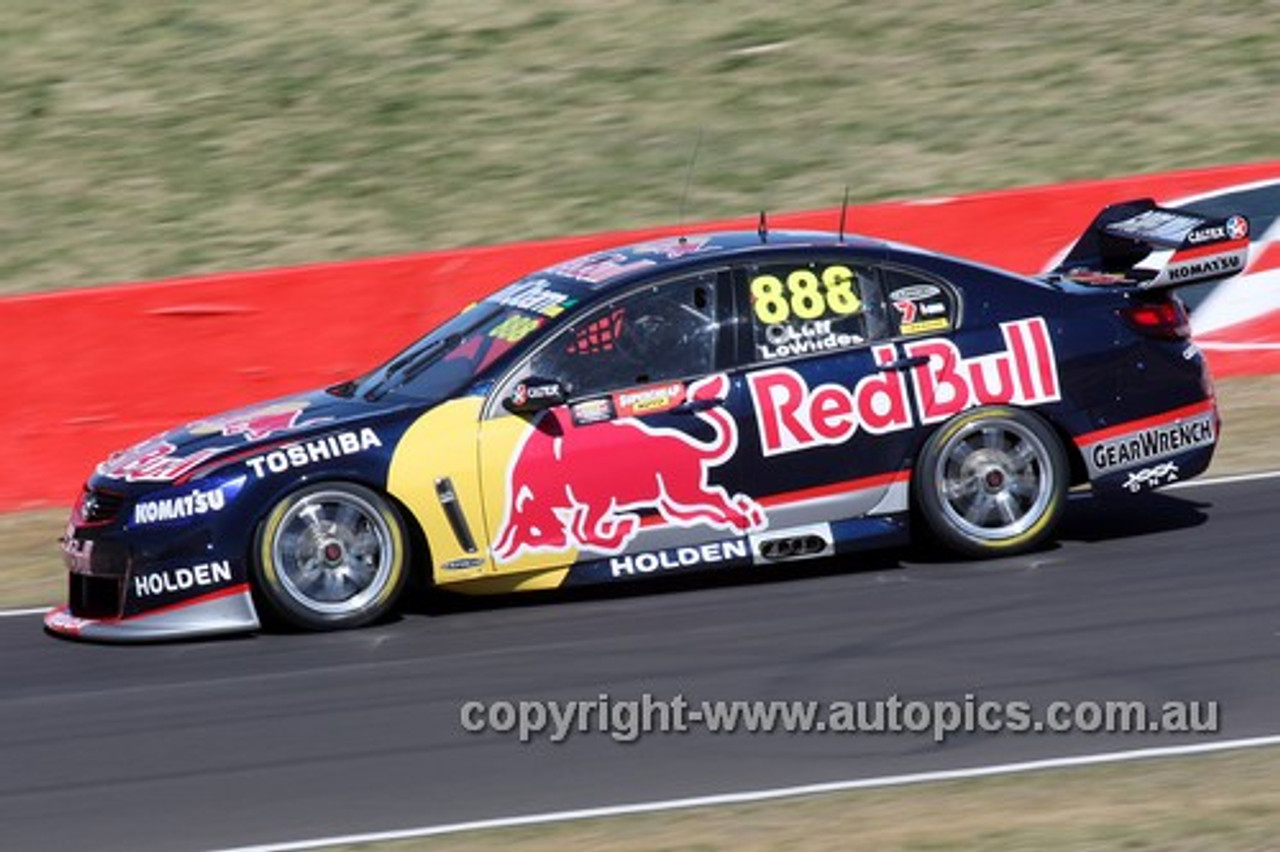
(329, 556)
(992, 481)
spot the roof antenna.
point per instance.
(763, 228)
(688, 179)
(844, 211)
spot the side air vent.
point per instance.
(795, 547)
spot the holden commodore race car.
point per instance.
(708, 402)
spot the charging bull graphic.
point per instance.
(560, 496)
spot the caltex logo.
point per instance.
(1237, 227)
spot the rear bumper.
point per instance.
(1152, 451)
(228, 610)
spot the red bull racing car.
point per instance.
(696, 403)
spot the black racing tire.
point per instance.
(330, 556)
(992, 482)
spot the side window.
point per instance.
(660, 332)
(917, 305)
(807, 307)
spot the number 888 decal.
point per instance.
(804, 295)
(804, 311)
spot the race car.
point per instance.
(699, 403)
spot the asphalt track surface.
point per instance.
(201, 745)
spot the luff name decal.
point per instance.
(792, 417)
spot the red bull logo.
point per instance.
(792, 416)
(256, 423)
(153, 461)
(563, 493)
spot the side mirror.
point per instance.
(535, 394)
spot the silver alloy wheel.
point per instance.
(994, 479)
(333, 551)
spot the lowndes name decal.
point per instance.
(1141, 446)
(787, 341)
(309, 452)
(792, 417)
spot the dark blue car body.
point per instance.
(708, 402)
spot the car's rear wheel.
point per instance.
(992, 481)
(331, 555)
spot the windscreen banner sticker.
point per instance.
(792, 417)
(805, 312)
(673, 248)
(535, 295)
(599, 268)
(650, 399)
(515, 328)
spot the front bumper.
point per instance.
(227, 610)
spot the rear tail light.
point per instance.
(1164, 319)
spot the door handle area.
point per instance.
(904, 364)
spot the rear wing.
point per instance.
(1138, 243)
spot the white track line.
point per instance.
(1190, 483)
(1213, 346)
(10, 613)
(752, 796)
(1223, 480)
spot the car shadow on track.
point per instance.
(1094, 518)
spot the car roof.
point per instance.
(594, 275)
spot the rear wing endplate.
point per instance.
(1139, 243)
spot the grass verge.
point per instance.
(1213, 803)
(141, 140)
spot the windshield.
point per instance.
(450, 356)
